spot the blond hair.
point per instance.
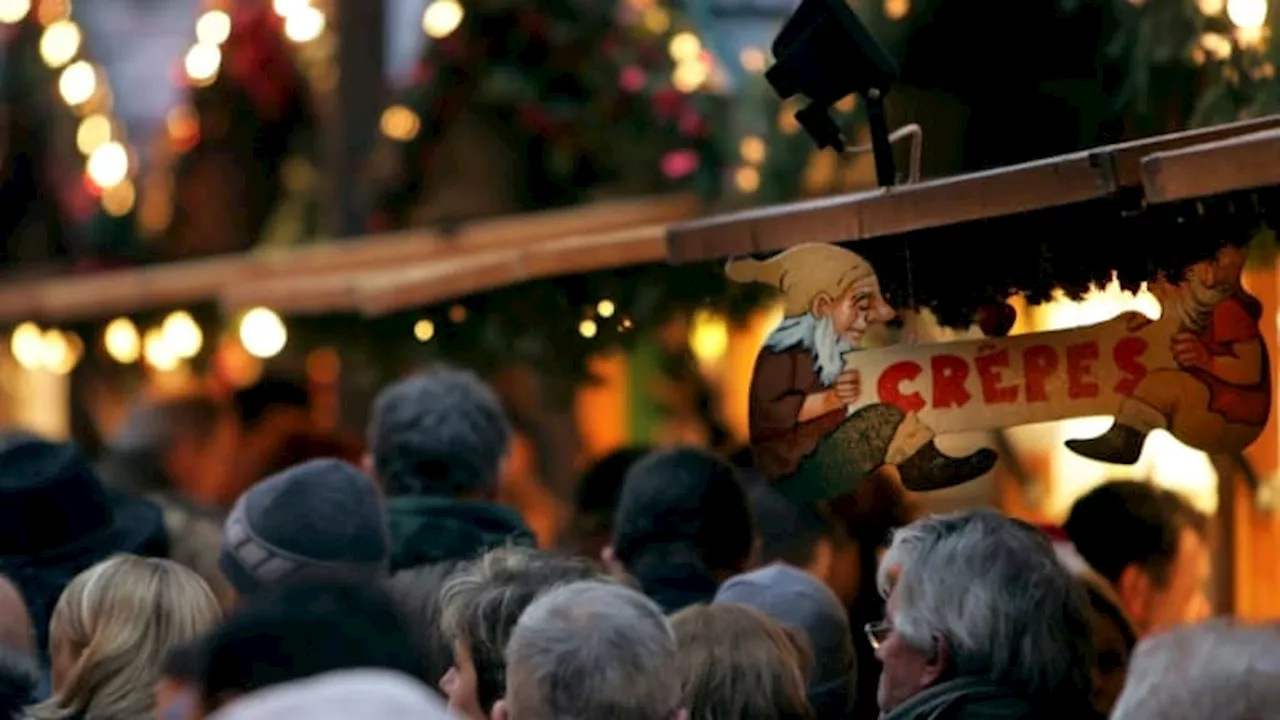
(736, 663)
(120, 618)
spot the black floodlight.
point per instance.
(825, 53)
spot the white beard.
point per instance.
(819, 337)
(1195, 304)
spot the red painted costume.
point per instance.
(1235, 320)
(779, 385)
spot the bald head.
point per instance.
(16, 631)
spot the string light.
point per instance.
(77, 83)
(657, 20)
(441, 18)
(13, 11)
(747, 179)
(262, 333)
(400, 123)
(121, 341)
(1212, 8)
(202, 63)
(304, 25)
(285, 8)
(752, 149)
(213, 27)
(59, 43)
(606, 308)
(708, 335)
(1247, 14)
(182, 334)
(27, 345)
(684, 47)
(93, 132)
(424, 330)
(60, 352)
(108, 165)
(157, 353)
(689, 75)
(588, 328)
(118, 200)
(896, 9)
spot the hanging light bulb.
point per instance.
(588, 328)
(213, 27)
(606, 308)
(262, 333)
(304, 25)
(27, 345)
(1247, 14)
(108, 165)
(157, 352)
(182, 334)
(121, 341)
(59, 43)
(77, 83)
(424, 330)
(13, 11)
(202, 63)
(441, 18)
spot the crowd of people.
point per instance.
(686, 588)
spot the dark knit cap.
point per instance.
(321, 521)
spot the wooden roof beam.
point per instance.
(1225, 166)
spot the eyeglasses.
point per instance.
(877, 633)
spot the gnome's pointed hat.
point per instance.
(802, 272)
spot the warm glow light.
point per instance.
(689, 75)
(1217, 45)
(458, 313)
(400, 123)
(213, 27)
(285, 8)
(753, 60)
(60, 354)
(118, 200)
(752, 149)
(684, 47)
(60, 43)
(896, 9)
(657, 20)
(12, 11)
(27, 345)
(108, 165)
(182, 334)
(77, 82)
(1211, 8)
(747, 179)
(304, 25)
(1247, 14)
(93, 132)
(588, 328)
(202, 63)
(441, 18)
(262, 333)
(424, 330)
(708, 336)
(606, 308)
(121, 341)
(157, 353)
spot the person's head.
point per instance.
(737, 663)
(178, 691)
(682, 510)
(441, 433)
(798, 600)
(16, 631)
(597, 499)
(112, 630)
(482, 603)
(592, 650)
(980, 595)
(1218, 669)
(297, 631)
(1151, 545)
(19, 680)
(189, 439)
(416, 592)
(831, 298)
(316, 522)
(367, 694)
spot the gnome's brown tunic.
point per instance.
(778, 388)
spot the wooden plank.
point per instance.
(1213, 168)
(1038, 185)
(260, 278)
(432, 283)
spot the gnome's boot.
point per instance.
(929, 469)
(1122, 445)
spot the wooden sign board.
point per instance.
(826, 408)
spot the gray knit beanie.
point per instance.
(319, 521)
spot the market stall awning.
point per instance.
(1039, 185)
(1213, 168)
(319, 277)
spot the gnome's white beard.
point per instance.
(1195, 304)
(819, 337)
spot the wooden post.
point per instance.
(352, 110)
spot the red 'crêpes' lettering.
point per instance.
(889, 386)
(989, 365)
(1126, 353)
(1080, 382)
(949, 375)
(1038, 363)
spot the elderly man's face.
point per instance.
(855, 310)
(906, 670)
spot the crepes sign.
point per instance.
(825, 410)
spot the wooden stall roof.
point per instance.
(318, 276)
(1039, 185)
(1213, 168)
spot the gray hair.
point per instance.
(1218, 669)
(442, 432)
(992, 589)
(591, 650)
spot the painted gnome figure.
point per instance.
(803, 435)
(1220, 392)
